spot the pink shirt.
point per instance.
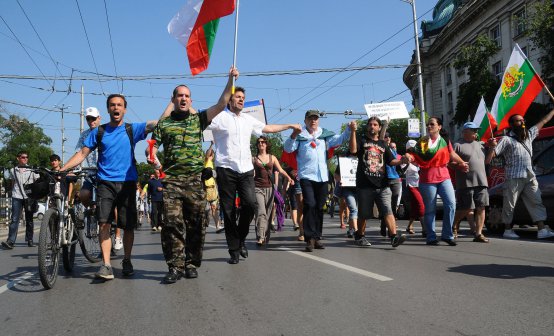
(435, 174)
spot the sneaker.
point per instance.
(510, 234)
(127, 267)
(350, 233)
(118, 243)
(160, 228)
(105, 272)
(362, 242)
(154, 229)
(397, 240)
(545, 233)
(8, 245)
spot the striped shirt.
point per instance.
(517, 159)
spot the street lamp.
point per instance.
(418, 61)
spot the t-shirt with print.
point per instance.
(372, 159)
(115, 163)
(181, 137)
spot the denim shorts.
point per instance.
(368, 196)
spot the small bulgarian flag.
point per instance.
(520, 85)
(428, 155)
(195, 26)
(485, 120)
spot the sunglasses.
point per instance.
(262, 142)
(91, 118)
(24, 157)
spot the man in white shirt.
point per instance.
(235, 173)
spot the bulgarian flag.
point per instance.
(195, 26)
(520, 85)
(428, 155)
(485, 120)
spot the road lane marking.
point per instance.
(338, 265)
(15, 281)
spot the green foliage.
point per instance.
(144, 170)
(541, 31)
(17, 134)
(475, 58)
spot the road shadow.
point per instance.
(496, 271)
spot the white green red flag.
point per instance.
(485, 120)
(520, 85)
(195, 27)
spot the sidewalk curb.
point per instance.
(20, 231)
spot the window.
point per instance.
(450, 102)
(448, 71)
(498, 71)
(519, 22)
(496, 36)
(524, 49)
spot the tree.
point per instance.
(144, 170)
(17, 134)
(275, 141)
(541, 31)
(482, 83)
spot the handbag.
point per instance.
(29, 204)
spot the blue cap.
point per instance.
(470, 125)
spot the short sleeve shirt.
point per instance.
(373, 156)
(90, 160)
(518, 161)
(115, 162)
(181, 138)
(473, 153)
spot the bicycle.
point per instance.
(58, 233)
(91, 242)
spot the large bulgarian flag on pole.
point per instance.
(195, 27)
(485, 120)
(520, 85)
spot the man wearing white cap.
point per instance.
(471, 186)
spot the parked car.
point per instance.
(543, 165)
(39, 214)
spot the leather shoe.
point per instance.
(433, 242)
(310, 245)
(172, 276)
(450, 242)
(7, 245)
(319, 245)
(234, 258)
(31, 244)
(243, 251)
(191, 273)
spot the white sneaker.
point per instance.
(118, 243)
(545, 233)
(510, 234)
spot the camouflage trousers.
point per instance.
(185, 221)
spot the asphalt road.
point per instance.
(502, 288)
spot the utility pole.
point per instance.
(62, 108)
(419, 72)
(82, 124)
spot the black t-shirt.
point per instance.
(372, 158)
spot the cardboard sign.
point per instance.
(254, 108)
(389, 110)
(348, 167)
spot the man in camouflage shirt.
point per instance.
(184, 197)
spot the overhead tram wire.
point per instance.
(365, 54)
(35, 107)
(41, 41)
(21, 44)
(89, 46)
(111, 46)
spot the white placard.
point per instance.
(254, 108)
(348, 167)
(413, 128)
(389, 110)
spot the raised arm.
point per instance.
(545, 120)
(353, 145)
(280, 128)
(213, 111)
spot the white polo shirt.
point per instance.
(232, 140)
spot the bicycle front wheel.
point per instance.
(88, 240)
(48, 249)
(68, 253)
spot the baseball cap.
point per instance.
(470, 125)
(311, 113)
(92, 112)
(411, 144)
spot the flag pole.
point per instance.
(235, 44)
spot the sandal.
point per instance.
(410, 231)
(481, 239)
(301, 238)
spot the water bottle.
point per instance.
(57, 189)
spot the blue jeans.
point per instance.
(17, 206)
(429, 194)
(351, 201)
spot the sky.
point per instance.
(46, 41)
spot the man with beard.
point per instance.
(371, 180)
(517, 149)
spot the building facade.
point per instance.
(457, 23)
